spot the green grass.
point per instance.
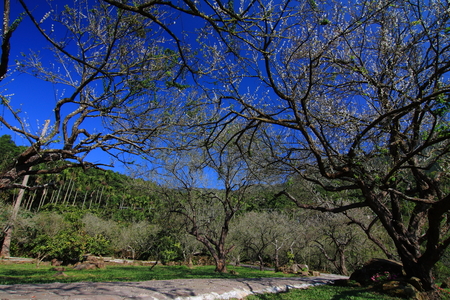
(29, 273)
(327, 292)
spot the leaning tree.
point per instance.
(352, 96)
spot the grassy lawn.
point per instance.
(29, 273)
(325, 292)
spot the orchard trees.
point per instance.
(265, 234)
(207, 188)
(352, 96)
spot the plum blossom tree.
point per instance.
(352, 96)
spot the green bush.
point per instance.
(169, 249)
(98, 245)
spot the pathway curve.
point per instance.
(180, 289)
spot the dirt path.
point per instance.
(189, 289)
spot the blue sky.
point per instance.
(34, 97)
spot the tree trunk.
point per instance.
(75, 198)
(12, 221)
(84, 200)
(342, 262)
(221, 256)
(217, 251)
(189, 261)
(59, 192)
(68, 191)
(6, 243)
(221, 265)
(421, 270)
(42, 200)
(261, 263)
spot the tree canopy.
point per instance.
(349, 95)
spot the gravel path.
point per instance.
(188, 289)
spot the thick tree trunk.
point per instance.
(277, 259)
(417, 261)
(221, 265)
(217, 251)
(221, 255)
(421, 270)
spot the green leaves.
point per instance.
(3, 100)
(313, 4)
(442, 105)
(177, 85)
(324, 22)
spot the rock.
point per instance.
(285, 270)
(415, 282)
(85, 266)
(97, 261)
(58, 269)
(56, 262)
(401, 289)
(203, 260)
(303, 273)
(376, 266)
(314, 273)
(100, 265)
(303, 267)
(61, 274)
(295, 268)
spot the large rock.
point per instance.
(370, 269)
(296, 268)
(85, 266)
(90, 262)
(401, 289)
